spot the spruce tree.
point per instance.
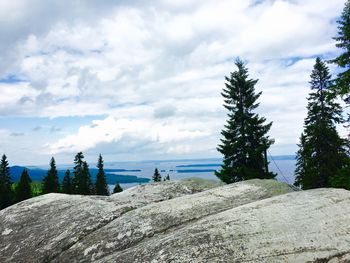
(77, 172)
(245, 142)
(82, 183)
(50, 181)
(156, 176)
(6, 192)
(67, 183)
(322, 156)
(101, 184)
(23, 189)
(87, 187)
(117, 188)
(302, 169)
(342, 84)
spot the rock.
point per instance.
(39, 229)
(297, 227)
(181, 221)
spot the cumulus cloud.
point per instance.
(113, 130)
(156, 69)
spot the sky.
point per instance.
(141, 80)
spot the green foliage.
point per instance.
(322, 160)
(343, 60)
(50, 182)
(101, 184)
(6, 192)
(341, 179)
(82, 183)
(156, 176)
(245, 139)
(23, 189)
(117, 189)
(67, 187)
(36, 188)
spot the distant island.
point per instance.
(37, 174)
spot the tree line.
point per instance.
(77, 183)
(323, 157)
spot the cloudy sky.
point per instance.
(138, 80)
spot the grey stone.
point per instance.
(182, 221)
(39, 229)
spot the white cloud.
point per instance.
(113, 130)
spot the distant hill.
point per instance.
(37, 174)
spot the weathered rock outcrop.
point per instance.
(185, 221)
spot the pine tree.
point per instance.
(67, 183)
(245, 141)
(343, 60)
(23, 189)
(50, 181)
(6, 193)
(166, 178)
(117, 188)
(322, 156)
(101, 184)
(156, 176)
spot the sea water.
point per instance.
(201, 168)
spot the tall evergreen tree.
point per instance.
(6, 193)
(67, 183)
(156, 176)
(89, 188)
(101, 184)
(82, 183)
(322, 156)
(77, 172)
(245, 142)
(23, 189)
(50, 181)
(117, 188)
(343, 60)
